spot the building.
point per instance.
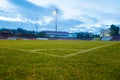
(105, 32)
(73, 35)
(58, 34)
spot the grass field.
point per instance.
(59, 60)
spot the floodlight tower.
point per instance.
(55, 14)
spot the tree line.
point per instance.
(114, 30)
(25, 33)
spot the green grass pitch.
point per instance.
(59, 60)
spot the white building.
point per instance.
(105, 32)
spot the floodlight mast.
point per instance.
(55, 14)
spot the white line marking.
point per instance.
(1, 56)
(87, 50)
(49, 54)
(36, 51)
(54, 49)
(68, 55)
(14, 48)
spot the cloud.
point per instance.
(82, 9)
(5, 5)
(11, 19)
(47, 20)
(7, 9)
(73, 15)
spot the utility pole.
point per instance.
(36, 24)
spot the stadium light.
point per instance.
(55, 12)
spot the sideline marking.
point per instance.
(87, 50)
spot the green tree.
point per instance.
(114, 30)
(42, 35)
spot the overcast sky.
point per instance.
(73, 15)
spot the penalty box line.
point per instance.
(87, 50)
(32, 51)
(65, 56)
(36, 51)
(55, 49)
